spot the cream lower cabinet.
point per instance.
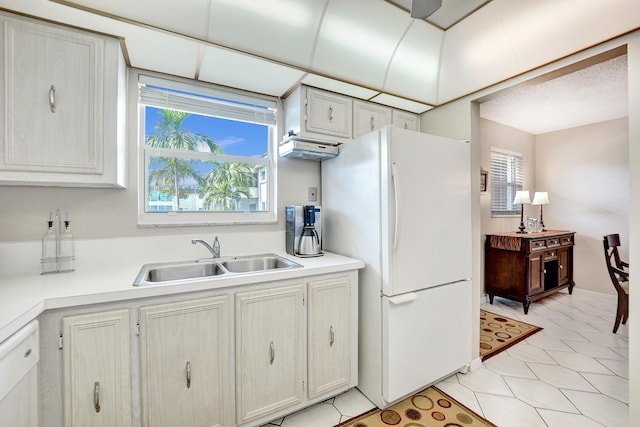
(329, 335)
(269, 351)
(97, 369)
(186, 363)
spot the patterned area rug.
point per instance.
(428, 408)
(497, 333)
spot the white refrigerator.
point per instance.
(400, 201)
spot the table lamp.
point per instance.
(522, 197)
(541, 198)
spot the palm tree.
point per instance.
(169, 135)
(227, 183)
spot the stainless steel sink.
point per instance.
(257, 263)
(188, 271)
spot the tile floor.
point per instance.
(575, 372)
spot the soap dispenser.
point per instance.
(66, 255)
(49, 258)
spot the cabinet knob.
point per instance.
(561, 266)
(96, 396)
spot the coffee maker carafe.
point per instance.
(309, 242)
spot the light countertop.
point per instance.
(23, 296)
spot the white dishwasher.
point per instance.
(19, 355)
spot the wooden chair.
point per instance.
(619, 273)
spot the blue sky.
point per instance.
(237, 138)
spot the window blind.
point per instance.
(506, 178)
(168, 94)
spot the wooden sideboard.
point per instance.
(527, 267)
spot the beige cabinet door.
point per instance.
(185, 363)
(269, 351)
(97, 369)
(329, 338)
(405, 120)
(328, 113)
(369, 117)
(58, 104)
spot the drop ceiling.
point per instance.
(368, 49)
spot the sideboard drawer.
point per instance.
(566, 240)
(537, 244)
(553, 242)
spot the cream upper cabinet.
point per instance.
(97, 369)
(405, 120)
(369, 117)
(319, 115)
(62, 106)
(185, 363)
(269, 351)
(329, 336)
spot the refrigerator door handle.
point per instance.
(394, 176)
(403, 299)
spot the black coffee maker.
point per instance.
(309, 242)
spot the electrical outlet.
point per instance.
(312, 195)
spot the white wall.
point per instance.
(585, 170)
(496, 135)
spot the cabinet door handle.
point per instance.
(406, 125)
(188, 374)
(330, 113)
(332, 336)
(96, 396)
(52, 98)
(372, 122)
(272, 353)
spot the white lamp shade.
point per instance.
(522, 197)
(540, 198)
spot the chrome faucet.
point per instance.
(215, 250)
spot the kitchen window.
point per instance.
(207, 154)
(506, 178)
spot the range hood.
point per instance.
(301, 148)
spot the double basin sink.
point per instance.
(182, 271)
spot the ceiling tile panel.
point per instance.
(413, 71)
(153, 55)
(187, 17)
(228, 68)
(339, 87)
(401, 103)
(357, 40)
(283, 30)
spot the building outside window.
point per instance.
(207, 154)
(506, 178)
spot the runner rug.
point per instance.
(428, 408)
(497, 333)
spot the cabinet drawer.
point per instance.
(566, 240)
(555, 241)
(537, 245)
